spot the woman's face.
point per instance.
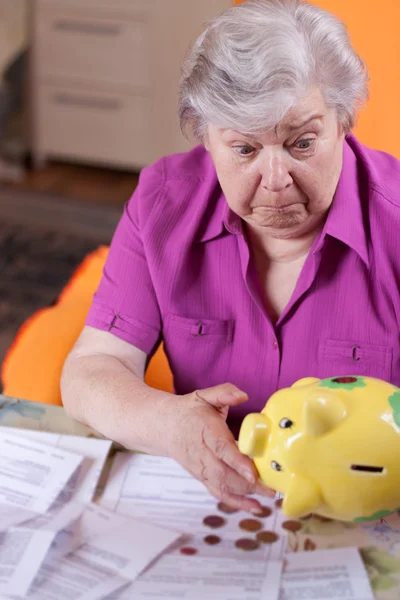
(282, 182)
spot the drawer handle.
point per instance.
(86, 102)
(83, 27)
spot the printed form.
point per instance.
(23, 547)
(336, 574)
(219, 556)
(109, 551)
(32, 475)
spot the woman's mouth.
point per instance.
(275, 208)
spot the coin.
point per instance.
(214, 521)
(265, 512)
(212, 540)
(188, 551)
(267, 537)
(247, 544)
(250, 525)
(292, 526)
(225, 508)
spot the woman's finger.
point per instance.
(239, 502)
(222, 444)
(221, 396)
(264, 490)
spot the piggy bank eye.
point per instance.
(285, 423)
(276, 466)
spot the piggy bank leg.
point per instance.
(302, 497)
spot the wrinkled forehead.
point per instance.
(308, 110)
(306, 106)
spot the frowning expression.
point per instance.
(283, 180)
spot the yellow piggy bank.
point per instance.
(331, 447)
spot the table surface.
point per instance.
(380, 541)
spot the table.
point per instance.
(43, 417)
(379, 541)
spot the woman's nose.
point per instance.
(275, 173)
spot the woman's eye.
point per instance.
(304, 144)
(244, 150)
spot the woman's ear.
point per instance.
(206, 141)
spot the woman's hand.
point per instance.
(199, 439)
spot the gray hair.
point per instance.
(256, 60)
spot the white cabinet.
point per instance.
(104, 77)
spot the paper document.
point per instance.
(93, 522)
(45, 472)
(114, 552)
(335, 574)
(176, 577)
(32, 475)
(159, 490)
(82, 484)
(13, 515)
(23, 549)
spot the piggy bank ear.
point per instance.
(322, 414)
(302, 497)
(305, 381)
(253, 435)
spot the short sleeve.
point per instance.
(125, 303)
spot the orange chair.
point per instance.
(32, 367)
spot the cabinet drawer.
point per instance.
(95, 127)
(109, 5)
(73, 44)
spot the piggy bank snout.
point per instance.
(253, 436)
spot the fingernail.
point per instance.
(262, 489)
(249, 476)
(239, 395)
(256, 511)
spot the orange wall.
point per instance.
(374, 30)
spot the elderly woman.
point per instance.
(268, 253)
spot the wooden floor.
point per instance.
(83, 183)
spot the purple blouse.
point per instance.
(180, 270)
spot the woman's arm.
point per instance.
(102, 386)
